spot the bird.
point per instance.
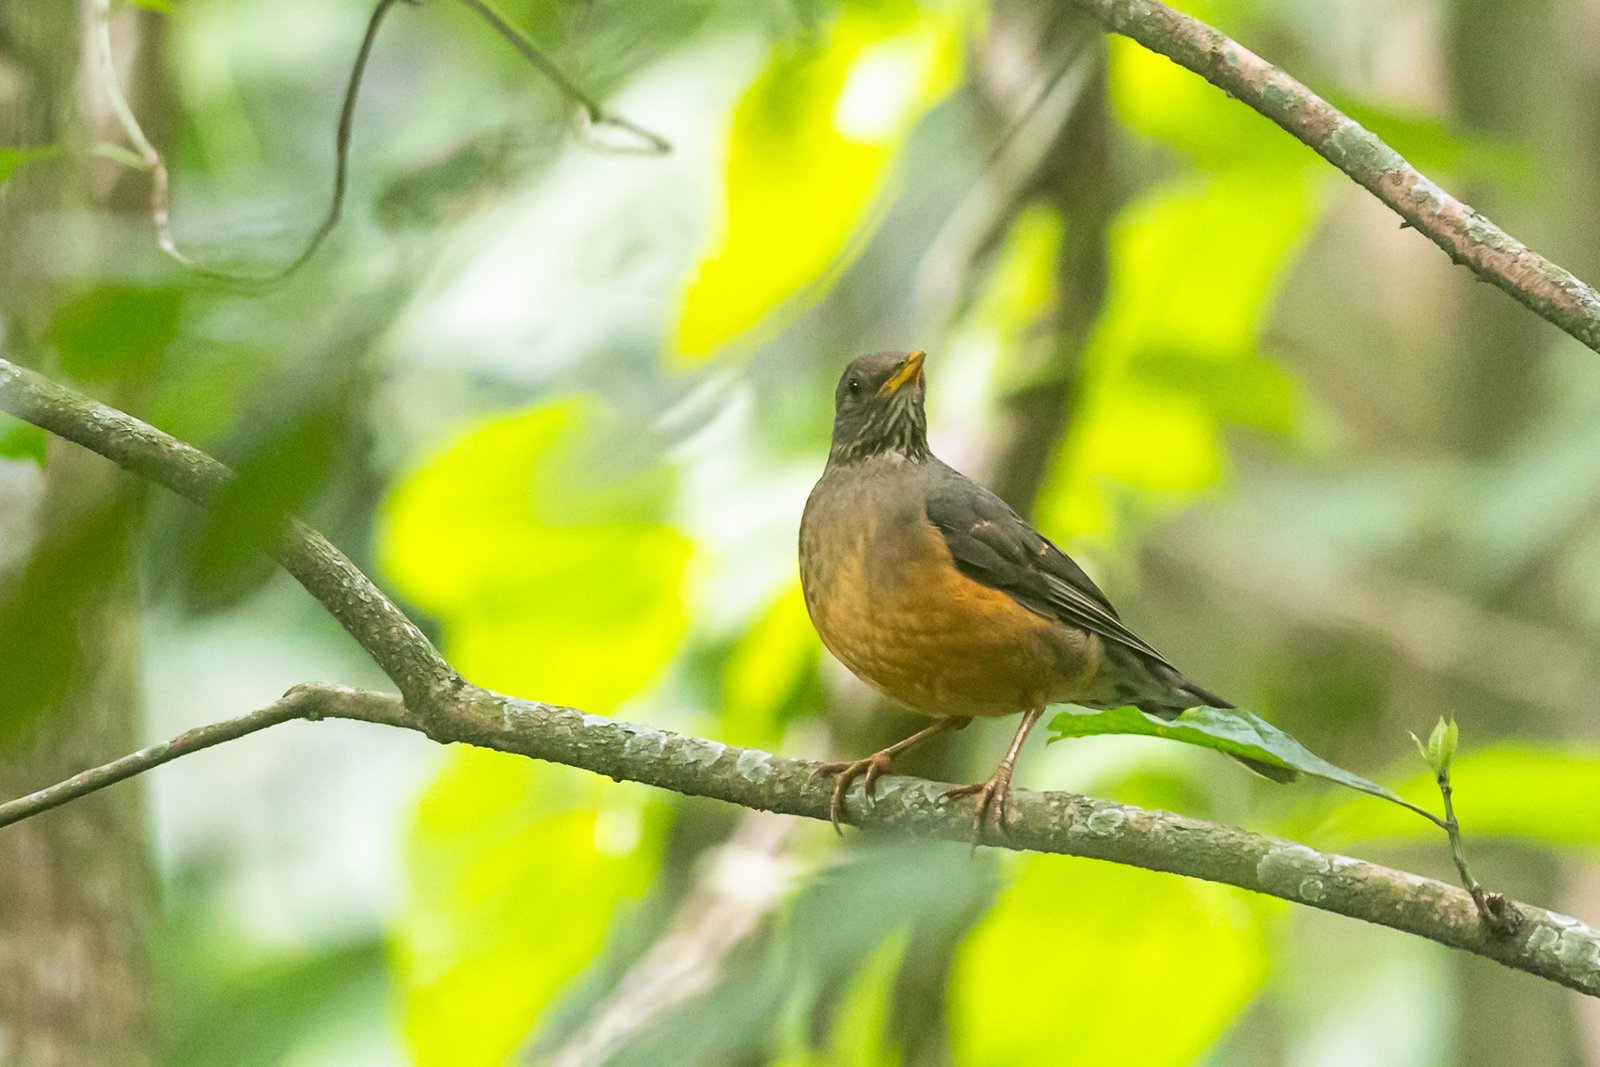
(938, 595)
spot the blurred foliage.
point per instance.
(549, 514)
(254, 989)
(12, 158)
(812, 143)
(1539, 796)
(517, 873)
(1071, 947)
(1176, 354)
(45, 607)
(765, 684)
(566, 404)
(19, 440)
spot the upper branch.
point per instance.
(1548, 290)
(392, 639)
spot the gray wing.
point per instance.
(993, 545)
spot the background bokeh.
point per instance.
(566, 402)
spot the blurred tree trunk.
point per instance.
(1499, 68)
(75, 981)
(1020, 68)
(1509, 77)
(74, 957)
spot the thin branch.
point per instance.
(147, 158)
(1500, 919)
(590, 113)
(1467, 237)
(341, 149)
(301, 702)
(446, 709)
(150, 159)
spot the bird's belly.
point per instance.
(943, 644)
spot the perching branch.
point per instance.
(447, 709)
(1551, 946)
(1467, 237)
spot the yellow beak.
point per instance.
(910, 370)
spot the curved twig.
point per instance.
(590, 113)
(147, 158)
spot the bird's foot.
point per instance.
(843, 774)
(992, 794)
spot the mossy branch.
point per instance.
(448, 710)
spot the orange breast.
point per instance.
(894, 609)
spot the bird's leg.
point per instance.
(876, 764)
(992, 793)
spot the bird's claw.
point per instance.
(873, 767)
(992, 794)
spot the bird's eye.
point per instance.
(853, 387)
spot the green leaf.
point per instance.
(1422, 749)
(1440, 748)
(768, 672)
(1061, 969)
(517, 870)
(1435, 744)
(810, 150)
(1235, 731)
(535, 540)
(1449, 737)
(116, 331)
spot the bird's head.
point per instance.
(878, 408)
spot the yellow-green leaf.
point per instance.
(1077, 955)
(516, 872)
(1175, 357)
(810, 150)
(765, 669)
(535, 540)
